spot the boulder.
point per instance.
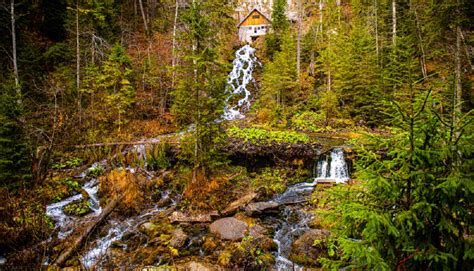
(257, 231)
(147, 227)
(197, 266)
(304, 250)
(178, 238)
(229, 228)
(191, 218)
(238, 204)
(257, 208)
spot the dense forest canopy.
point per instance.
(83, 81)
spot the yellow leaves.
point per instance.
(173, 251)
(125, 82)
(121, 182)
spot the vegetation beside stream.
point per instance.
(128, 97)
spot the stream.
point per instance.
(290, 223)
(294, 220)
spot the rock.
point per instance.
(164, 202)
(147, 226)
(257, 231)
(198, 266)
(229, 228)
(190, 218)
(178, 238)
(260, 207)
(303, 250)
(236, 205)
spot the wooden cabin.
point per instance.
(254, 25)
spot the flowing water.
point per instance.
(333, 167)
(294, 220)
(239, 97)
(66, 224)
(116, 231)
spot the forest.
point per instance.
(237, 134)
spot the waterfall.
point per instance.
(65, 223)
(333, 167)
(238, 99)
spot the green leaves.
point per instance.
(260, 136)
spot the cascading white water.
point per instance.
(334, 168)
(116, 231)
(65, 223)
(238, 79)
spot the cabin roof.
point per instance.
(250, 13)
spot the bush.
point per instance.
(261, 136)
(308, 121)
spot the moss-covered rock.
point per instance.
(78, 208)
(309, 247)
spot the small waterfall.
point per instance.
(286, 233)
(294, 221)
(333, 167)
(117, 229)
(66, 224)
(239, 97)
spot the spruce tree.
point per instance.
(15, 161)
(412, 206)
(198, 99)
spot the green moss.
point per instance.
(270, 179)
(77, 208)
(308, 121)
(259, 136)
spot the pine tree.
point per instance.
(15, 163)
(198, 99)
(412, 208)
(280, 25)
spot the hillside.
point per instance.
(255, 135)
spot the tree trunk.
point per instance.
(377, 49)
(78, 65)
(457, 73)
(15, 64)
(422, 49)
(298, 42)
(173, 52)
(394, 22)
(143, 15)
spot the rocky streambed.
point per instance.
(252, 232)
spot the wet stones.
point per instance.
(229, 228)
(191, 218)
(309, 247)
(257, 208)
(239, 203)
(178, 238)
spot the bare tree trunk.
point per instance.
(377, 49)
(143, 15)
(78, 65)
(394, 22)
(321, 16)
(458, 85)
(15, 64)
(298, 42)
(422, 49)
(173, 52)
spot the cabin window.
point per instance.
(256, 16)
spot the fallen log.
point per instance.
(145, 142)
(77, 243)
